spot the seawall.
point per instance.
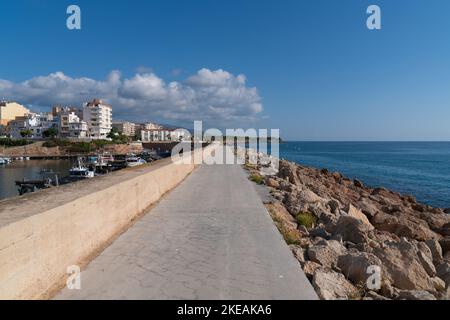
(44, 233)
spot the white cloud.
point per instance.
(216, 97)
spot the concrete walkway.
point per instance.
(210, 238)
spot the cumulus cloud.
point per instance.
(216, 97)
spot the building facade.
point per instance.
(127, 128)
(78, 129)
(98, 117)
(10, 110)
(165, 135)
(33, 123)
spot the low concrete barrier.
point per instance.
(42, 234)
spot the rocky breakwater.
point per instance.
(356, 242)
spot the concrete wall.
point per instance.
(43, 233)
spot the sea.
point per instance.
(29, 170)
(421, 169)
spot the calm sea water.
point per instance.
(421, 169)
(18, 170)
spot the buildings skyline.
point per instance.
(93, 121)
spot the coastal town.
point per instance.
(80, 143)
(93, 121)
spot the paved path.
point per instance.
(210, 238)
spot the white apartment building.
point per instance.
(98, 117)
(165, 135)
(78, 129)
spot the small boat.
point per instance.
(105, 159)
(80, 171)
(4, 160)
(133, 161)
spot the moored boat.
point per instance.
(80, 171)
(133, 161)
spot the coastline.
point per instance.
(337, 228)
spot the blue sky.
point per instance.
(311, 67)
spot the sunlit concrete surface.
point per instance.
(210, 238)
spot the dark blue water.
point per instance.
(421, 169)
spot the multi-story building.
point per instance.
(10, 110)
(98, 117)
(146, 126)
(57, 110)
(66, 119)
(164, 135)
(127, 128)
(78, 129)
(35, 123)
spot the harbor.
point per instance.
(23, 175)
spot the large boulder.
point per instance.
(351, 229)
(403, 266)
(354, 265)
(368, 207)
(271, 182)
(426, 258)
(281, 215)
(288, 171)
(331, 285)
(309, 196)
(298, 252)
(356, 213)
(326, 253)
(436, 250)
(404, 225)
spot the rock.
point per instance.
(375, 296)
(387, 290)
(426, 258)
(415, 295)
(403, 267)
(298, 252)
(331, 285)
(367, 207)
(309, 197)
(326, 253)
(337, 177)
(270, 182)
(445, 245)
(354, 266)
(320, 232)
(351, 229)
(447, 210)
(358, 183)
(404, 226)
(439, 284)
(443, 272)
(309, 268)
(356, 213)
(334, 206)
(436, 250)
(288, 171)
(281, 215)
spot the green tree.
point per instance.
(50, 133)
(27, 133)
